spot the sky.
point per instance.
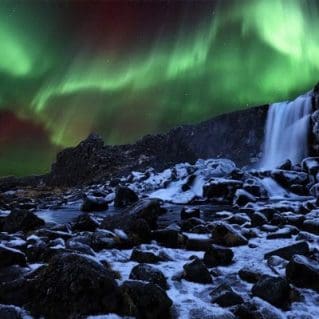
(124, 69)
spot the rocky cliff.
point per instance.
(237, 136)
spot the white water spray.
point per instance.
(287, 132)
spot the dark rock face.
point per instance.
(275, 290)
(21, 221)
(92, 160)
(71, 286)
(150, 274)
(303, 272)
(145, 300)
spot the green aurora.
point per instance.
(233, 55)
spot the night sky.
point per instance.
(124, 69)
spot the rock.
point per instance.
(203, 313)
(226, 235)
(11, 312)
(189, 223)
(129, 219)
(258, 219)
(221, 189)
(196, 271)
(249, 274)
(311, 226)
(124, 197)
(274, 290)
(150, 274)
(20, 220)
(284, 233)
(9, 257)
(286, 165)
(300, 248)
(198, 244)
(145, 257)
(287, 178)
(85, 223)
(314, 190)
(169, 238)
(255, 187)
(76, 246)
(225, 296)
(310, 165)
(72, 286)
(242, 197)
(94, 204)
(303, 272)
(189, 213)
(145, 300)
(218, 256)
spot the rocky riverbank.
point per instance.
(203, 240)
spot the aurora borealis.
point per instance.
(124, 69)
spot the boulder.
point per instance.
(150, 274)
(242, 197)
(218, 256)
(85, 223)
(225, 296)
(188, 212)
(287, 178)
(147, 210)
(94, 204)
(21, 220)
(303, 272)
(145, 300)
(249, 274)
(300, 248)
(198, 244)
(274, 290)
(10, 256)
(258, 219)
(189, 223)
(196, 271)
(221, 189)
(311, 164)
(311, 226)
(124, 197)
(72, 286)
(145, 257)
(12, 312)
(169, 237)
(225, 235)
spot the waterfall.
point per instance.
(286, 135)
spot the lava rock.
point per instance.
(124, 197)
(196, 271)
(303, 272)
(189, 223)
(9, 257)
(150, 274)
(274, 290)
(220, 188)
(225, 296)
(21, 220)
(300, 248)
(258, 219)
(218, 256)
(225, 235)
(94, 204)
(145, 300)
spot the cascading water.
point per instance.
(287, 132)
